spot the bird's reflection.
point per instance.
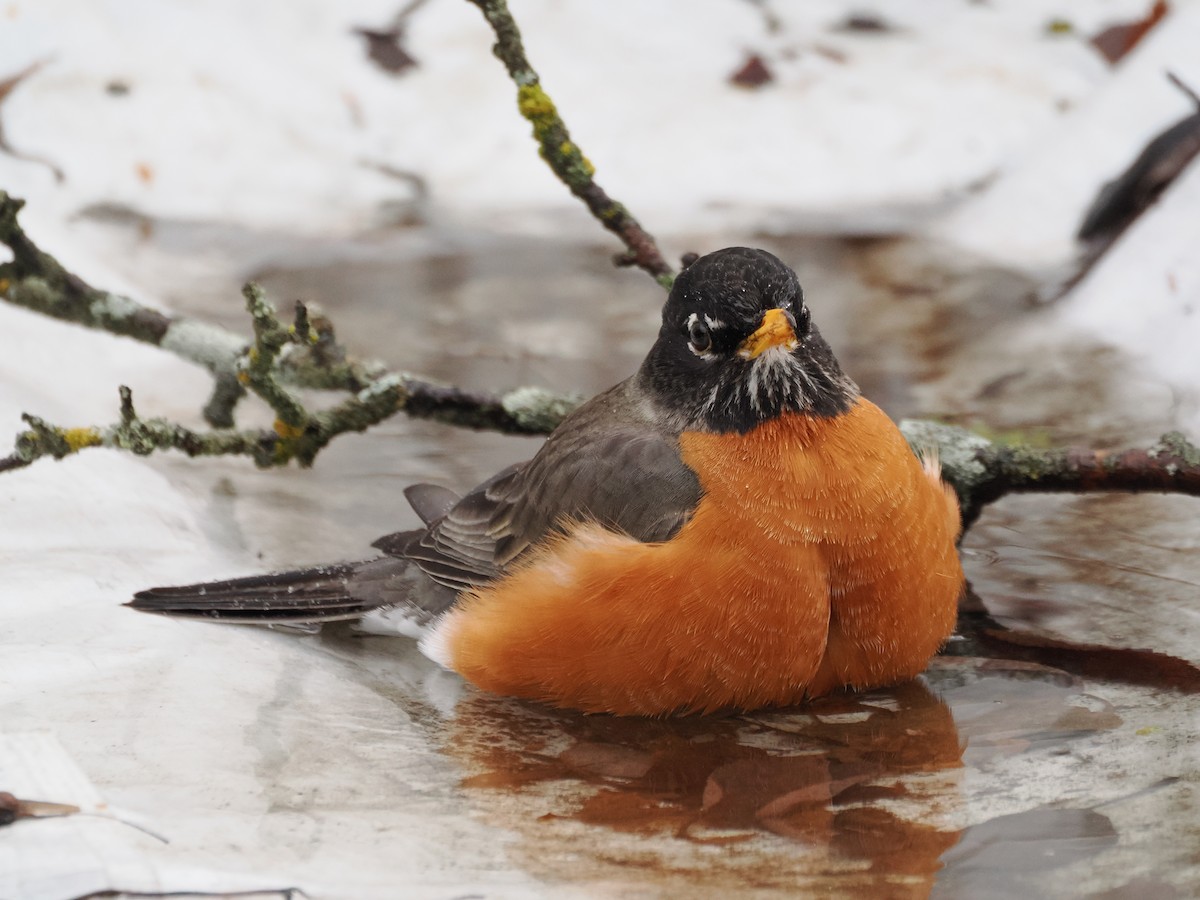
(855, 793)
(825, 778)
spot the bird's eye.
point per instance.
(699, 336)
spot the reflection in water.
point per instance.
(1104, 587)
(983, 864)
(862, 788)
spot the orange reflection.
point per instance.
(775, 799)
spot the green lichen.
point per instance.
(958, 451)
(1031, 437)
(570, 151)
(142, 437)
(309, 337)
(1176, 444)
(112, 311)
(538, 409)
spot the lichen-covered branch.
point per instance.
(257, 369)
(563, 155)
(37, 281)
(305, 355)
(982, 471)
(522, 411)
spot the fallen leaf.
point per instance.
(753, 73)
(1116, 41)
(384, 48)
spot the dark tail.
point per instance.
(320, 594)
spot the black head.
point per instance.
(738, 347)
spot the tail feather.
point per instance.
(320, 594)
(307, 596)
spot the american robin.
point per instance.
(734, 526)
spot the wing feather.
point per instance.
(611, 462)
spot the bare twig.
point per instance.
(13, 461)
(563, 155)
(1128, 195)
(7, 86)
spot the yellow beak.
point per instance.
(775, 331)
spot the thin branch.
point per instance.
(563, 155)
(37, 281)
(7, 86)
(257, 369)
(522, 411)
(13, 461)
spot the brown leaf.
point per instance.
(385, 50)
(865, 23)
(1116, 41)
(753, 74)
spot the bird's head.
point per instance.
(738, 347)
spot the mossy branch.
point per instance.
(562, 154)
(306, 355)
(522, 411)
(981, 471)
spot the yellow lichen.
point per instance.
(286, 431)
(310, 336)
(243, 378)
(536, 106)
(78, 438)
(4, 285)
(570, 150)
(534, 103)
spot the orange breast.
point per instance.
(820, 556)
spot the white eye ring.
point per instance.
(699, 336)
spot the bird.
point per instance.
(733, 527)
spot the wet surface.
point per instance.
(1052, 752)
(857, 793)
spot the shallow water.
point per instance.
(1050, 752)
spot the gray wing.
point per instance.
(609, 462)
